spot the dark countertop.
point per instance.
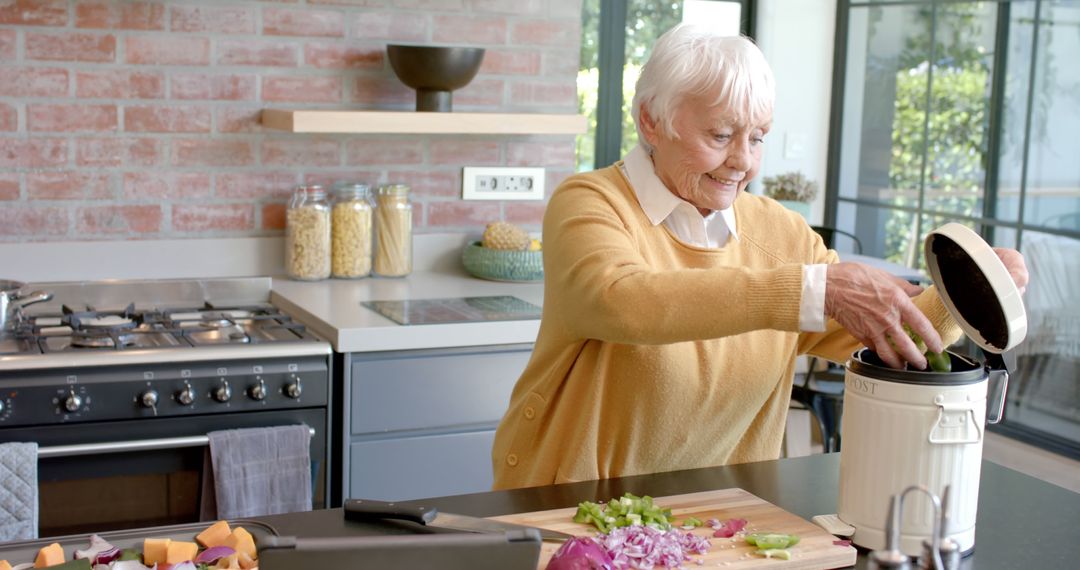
(1022, 521)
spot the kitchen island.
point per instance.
(1022, 521)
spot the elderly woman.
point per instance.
(675, 304)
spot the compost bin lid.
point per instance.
(976, 288)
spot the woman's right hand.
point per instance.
(873, 306)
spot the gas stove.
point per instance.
(107, 323)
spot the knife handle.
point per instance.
(368, 510)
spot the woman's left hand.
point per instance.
(1014, 263)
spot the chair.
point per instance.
(828, 235)
(822, 394)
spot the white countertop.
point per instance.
(332, 308)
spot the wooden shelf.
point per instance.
(410, 122)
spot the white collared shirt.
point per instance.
(684, 220)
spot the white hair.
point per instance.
(690, 60)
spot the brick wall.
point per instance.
(140, 120)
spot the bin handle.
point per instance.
(948, 410)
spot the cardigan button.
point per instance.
(511, 460)
(530, 413)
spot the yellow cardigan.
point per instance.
(654, 355)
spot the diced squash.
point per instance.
(155, 550)
(4, 565)
(179, 551)
(50, 555)
(241, 541)
(214, 535)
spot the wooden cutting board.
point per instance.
(814, 551)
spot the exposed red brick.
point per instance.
(482, 92)
(34, 12)
(260, 53)
(560, 154)
(543, 94)
(396, 26)
(9, 118)
(525, 213)
(302, 89)
(248, 185)
(341, 56)
(221, 217)
(361, 3)
(167, 119)
(428, 5)
(217, 87)
(166, 185)
(224, 20)
(554, 177)
(239, 119)
(119, 84)
(471, 29)
(303, 22)
(461, 214)
(32, 153)
(68, 185)
(546, 32)
(33, 82)
(71, 46)
(212, 152)
(458, 152)
(33, 221)
(381, 89)
(9, 186)
(439, 183)
(557, 65)
(273, 216)
(120, 15)
(97, 152)
(166, 50)
(301, 152)
(511, 62)
(517, 7)
(119, 219)
(329, 179)
(70, 118)
(7, 44)
(376, 152)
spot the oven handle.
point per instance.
(124, 446)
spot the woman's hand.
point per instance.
(873, 306)
(1014, 263)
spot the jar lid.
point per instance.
(976, 288)
(352, 189)
(393, 190)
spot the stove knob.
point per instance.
(185, 396)
(149, 399)
(223, 392)
(258, 391)
(72, 402)
(293, 390)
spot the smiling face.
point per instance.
(711, 155)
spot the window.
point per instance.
(970, 112)
(617, 36)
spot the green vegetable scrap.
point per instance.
(625, 511)
(781, 553)
(691, 522)
(130, 554)
(938, 361)
(773, 544)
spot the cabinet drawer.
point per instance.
(406, 468)
(412, 390)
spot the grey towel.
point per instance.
(261, 471)
(18, 491)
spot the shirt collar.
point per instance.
(656, 200)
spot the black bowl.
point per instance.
(434, 71)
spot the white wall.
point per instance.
(797, 39)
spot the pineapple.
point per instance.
(506, 236)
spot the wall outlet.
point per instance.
(502, 183)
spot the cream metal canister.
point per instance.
(911, 427)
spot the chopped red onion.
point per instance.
(728, 528)
(842, 542)
(643, 548)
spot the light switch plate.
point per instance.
(502, 183)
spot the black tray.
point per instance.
(26, 550)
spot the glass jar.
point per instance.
(351, 219)
(307, 234)
(393, 231)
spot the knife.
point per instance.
(368, 510)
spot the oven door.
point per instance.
(128, 474)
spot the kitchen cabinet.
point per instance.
(402, 122)
(420, 423)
